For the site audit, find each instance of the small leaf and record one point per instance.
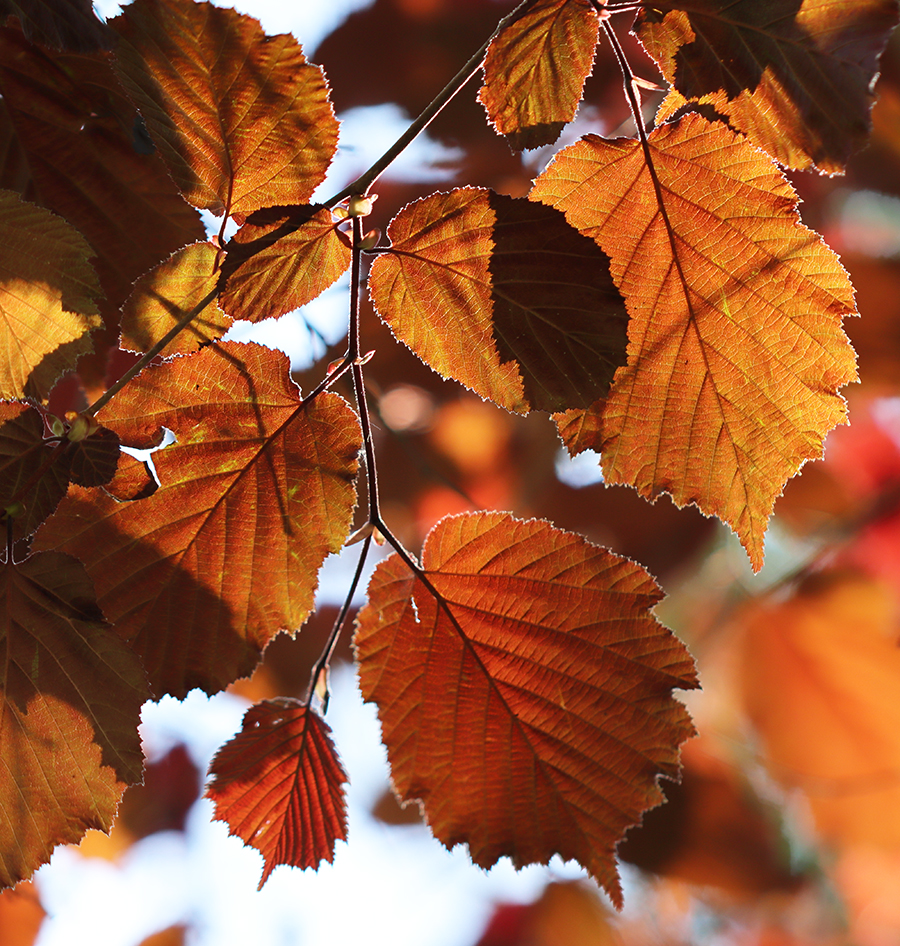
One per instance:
(736, 351)
(795, 77)
(69, 711)
(279, 785)
(162, 297)
(256, 491)
(514, 303)
(48, 292)
(530, 707)
(242, 119)
(32, 472)
(94, 459)
(280, 259)
(535, 69)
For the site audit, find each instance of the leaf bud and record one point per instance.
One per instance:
(57, 427)
(360, 206)
(370, 240)
(14, 510)
(82, 426)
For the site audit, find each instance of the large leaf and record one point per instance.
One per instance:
(794, 75)
(282, 258)
(530, 706)
(242, 119)
(48, 292)
(535, 69)
(509, 300)
(162, 297)
(69, 711)
(279, 785)
(256, 491)
(736, 351)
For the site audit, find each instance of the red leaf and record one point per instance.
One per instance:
(279, 785)
(530, 707)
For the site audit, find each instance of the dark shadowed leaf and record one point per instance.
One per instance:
(242, 119)
(535, 70)
(95, 459)
(279, 785)
(516, 305)
(32, 472)
(531, 707)
(48, 293)
(282, 258)
(256, 491)
(796, 76)
(69, 711)
(63, 24)
(736, 351)
(162, 297)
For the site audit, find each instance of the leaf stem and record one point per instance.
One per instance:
(362, 184)
(145, 359)
(321, 665)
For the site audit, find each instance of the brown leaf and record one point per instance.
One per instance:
(48, 293)
(71, 701)
(256, 491)
(820, 677)
(32, 472)
(279, 785)
(282, 258)
(736, 351)
(514, 303)
(796, 76)
(63, 24)
(242, 119)
(530, 708)
(133, 480)
(535, 69)
(95, 459)
(162, 297)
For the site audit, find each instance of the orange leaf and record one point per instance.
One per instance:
(162, 297)
(512, 302)
(242, 119)
(256, 491)
(279, 785)
(535, 69)
(47, 298)
(530, 708)
(69, 712)
(282, 258)
(820, 676)
(795, 77)
(736, 351)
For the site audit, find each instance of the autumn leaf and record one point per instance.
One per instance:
(535, 69)
(279, 785)
(162, 297)
(256, 491)
(62, 24)
(69, 711)
(48, 293)
(507, 299)
(280, 259)
(820, 675)
(796, 76)
(242, 119)
(736, 351)
(94, 459)
(529, 705)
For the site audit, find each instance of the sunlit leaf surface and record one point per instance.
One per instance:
(529, 705)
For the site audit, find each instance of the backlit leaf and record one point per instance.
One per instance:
(69, 712)
(256, 491)
(736, 351)
(512, 302)
(242, 119)
(535, 69)
(796, 76)
(32, 472)
(162, 297)
(48, 292)
(536, 719)
(282, 258)
(820, 677)
(279, 785)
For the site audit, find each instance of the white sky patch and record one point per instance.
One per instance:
(580, 470)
